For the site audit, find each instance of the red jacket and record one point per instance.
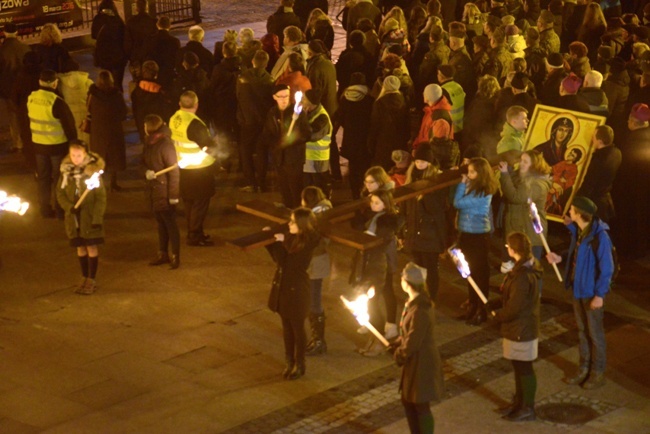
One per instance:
(440, 110)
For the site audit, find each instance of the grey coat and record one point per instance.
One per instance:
(319, 268)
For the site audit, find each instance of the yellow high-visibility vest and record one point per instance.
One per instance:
(46, 129)
(179, 123)
(457, 95)
(320, 149)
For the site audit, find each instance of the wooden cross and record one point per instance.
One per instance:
(328, 221)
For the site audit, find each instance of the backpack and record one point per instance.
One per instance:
(595, 244)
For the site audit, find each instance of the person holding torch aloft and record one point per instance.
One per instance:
(192, 136)
(81, 193)
(472, 200)
(286, 132)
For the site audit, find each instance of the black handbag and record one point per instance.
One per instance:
(274, 296)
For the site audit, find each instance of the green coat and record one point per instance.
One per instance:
(68, 190)
(516, 191)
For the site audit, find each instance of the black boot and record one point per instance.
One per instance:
(470, 313)
(288, 369)
(298, 370)
(314, 332)
(162, 258)
(318, 345)
(479, 318)
(175, 262)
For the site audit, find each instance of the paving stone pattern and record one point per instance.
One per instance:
(371, 402)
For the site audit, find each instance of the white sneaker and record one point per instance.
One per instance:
(506, 267)
(362, 330)
(390, 330)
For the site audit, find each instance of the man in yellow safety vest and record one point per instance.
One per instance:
(52, 126)
(317, 165)
(192, 139)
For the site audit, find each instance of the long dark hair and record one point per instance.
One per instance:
(306, 222)
(386, 196)
(485, 183)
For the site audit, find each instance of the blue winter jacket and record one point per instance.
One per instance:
(473, 211)
(593, 273)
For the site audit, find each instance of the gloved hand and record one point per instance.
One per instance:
(75, 211)
(96, 226)
(394, 345)
(173, 201)
(150, 175)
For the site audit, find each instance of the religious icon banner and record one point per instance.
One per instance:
(564, 137)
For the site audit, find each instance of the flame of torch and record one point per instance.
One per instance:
(539, 230)
(359, 308)
(13, 203)
(186, 160)
(91, 184)
(297, 109)
(463, 268)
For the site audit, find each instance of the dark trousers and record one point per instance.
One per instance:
(335, 161)
(168, 231)
(261, 160)
(118, 75)
(525, 383)
(591, 333)
(48, 169)
(248, 138)
(475, 247)
(429, 260)
(290, 180)
(356, 172)
(419, 417)
(196, 210)
(295, 338)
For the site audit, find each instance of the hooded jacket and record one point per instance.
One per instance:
(511, 139)
(596, 99)
(440, 110)
(519, 316)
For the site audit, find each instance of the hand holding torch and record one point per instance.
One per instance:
(463, 268)
(297, 109)
(91, 184)
(539, 230)
(359, 309)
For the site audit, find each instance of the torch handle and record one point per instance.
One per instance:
(477, 289)
(81, 198)
(166, 169)
(378, 335)
(293, 122)
(548, 250)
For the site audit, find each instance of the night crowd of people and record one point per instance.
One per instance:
(419, 88)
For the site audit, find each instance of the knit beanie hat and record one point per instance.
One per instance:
(441, 128)
(313, 96)
(585, 204)
(414, 274)
(640, 112)
(571, 83)
(447, 70)
(432, 93)
(555, 60)
(391, 83)
(519, 81)
(280, 87)
(424, 153)
(401, 158)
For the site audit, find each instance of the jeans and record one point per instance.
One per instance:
(168, 231)
(48, 169)
(316, 296)
(591, 332)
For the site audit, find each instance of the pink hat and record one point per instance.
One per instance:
(571, 84)
(641, 112)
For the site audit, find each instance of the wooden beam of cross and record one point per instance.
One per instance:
(329, 221)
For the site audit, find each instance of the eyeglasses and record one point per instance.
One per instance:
(507, 246)
(369, 181)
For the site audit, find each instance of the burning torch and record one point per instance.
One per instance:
(297, 109)
(359, 309)
(12, 203)
(463, 268)
(537, 225)
(91, 184)
(186, 160)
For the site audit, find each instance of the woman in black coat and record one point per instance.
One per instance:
(371, 267)
(107, 108)
(416, 352)
(425, 231)
(290, 289)
(162, 191)
(108, 30)
(519, 320)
